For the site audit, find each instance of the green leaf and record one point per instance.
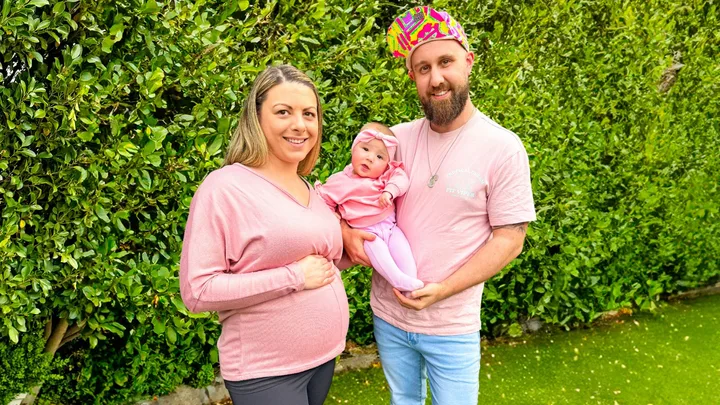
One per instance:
(59, 7)
(6, 8)
(151, 7)
(179, 305)
(149, 148)
(83, 173)
(85, 136)
(171, 334)
(154, 160)
(13, 333)
(223, 125)
(101, 213)
(76, 51)
(215, 146)
(38, 3)
(116, 29)
(310, 40)
(120, 377)
(115, 328)
(145, 180)
(158, 326)
(21, 323)
(107, 44)
(230, 94)
(89, 293)
(86, 76)
(360, 68)
(320, 10)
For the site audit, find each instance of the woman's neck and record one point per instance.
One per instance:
(279, 171)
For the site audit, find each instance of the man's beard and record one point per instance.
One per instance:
(444, 112)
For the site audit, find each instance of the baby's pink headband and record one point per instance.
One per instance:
(391, 143)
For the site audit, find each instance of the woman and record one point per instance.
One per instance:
(259, 248)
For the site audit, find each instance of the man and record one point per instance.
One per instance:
(465, 216)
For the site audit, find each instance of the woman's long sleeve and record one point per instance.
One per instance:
(205, 278)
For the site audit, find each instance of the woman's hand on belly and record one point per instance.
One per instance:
(318, 271)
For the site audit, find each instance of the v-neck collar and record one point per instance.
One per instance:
(292, 197)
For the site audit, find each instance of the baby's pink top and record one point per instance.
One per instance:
(357, 197)
(242, 240)
(484, 181)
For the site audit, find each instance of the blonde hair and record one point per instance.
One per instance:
(248, 144)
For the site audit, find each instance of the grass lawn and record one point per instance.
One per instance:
(669, 357)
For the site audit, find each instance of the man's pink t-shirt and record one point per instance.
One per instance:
(484, 181)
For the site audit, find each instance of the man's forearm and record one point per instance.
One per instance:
(497, 253)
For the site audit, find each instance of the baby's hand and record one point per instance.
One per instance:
(385, 199)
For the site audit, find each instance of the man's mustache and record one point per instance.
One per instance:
(438, 89)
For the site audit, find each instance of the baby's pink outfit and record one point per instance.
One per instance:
(357, 201)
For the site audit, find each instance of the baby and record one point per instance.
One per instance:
(363, 194)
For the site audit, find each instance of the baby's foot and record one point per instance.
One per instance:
(410, 284)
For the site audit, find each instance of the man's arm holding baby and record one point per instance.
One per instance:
(354, 246)
(504, 246)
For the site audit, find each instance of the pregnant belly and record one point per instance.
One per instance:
(287, 332)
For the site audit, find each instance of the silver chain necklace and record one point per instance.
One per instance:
(434, 176)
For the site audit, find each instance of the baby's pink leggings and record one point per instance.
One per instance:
(391, 256)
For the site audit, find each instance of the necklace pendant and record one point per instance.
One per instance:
(433, 179)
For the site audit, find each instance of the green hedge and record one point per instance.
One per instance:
(114, 111)
(23, 364)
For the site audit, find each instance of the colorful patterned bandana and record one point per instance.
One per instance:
(420, 25)
(391, 143)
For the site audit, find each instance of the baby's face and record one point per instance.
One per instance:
(370, 159)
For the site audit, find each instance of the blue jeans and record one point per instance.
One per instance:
(452, 364)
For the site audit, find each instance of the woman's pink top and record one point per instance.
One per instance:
(242, 240)
(357, 197)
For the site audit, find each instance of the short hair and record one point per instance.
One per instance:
(248, 144)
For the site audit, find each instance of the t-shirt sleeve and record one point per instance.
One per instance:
(510, 200)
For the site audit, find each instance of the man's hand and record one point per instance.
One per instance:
(424, 297)
(354, 244)
(385, 199)
(505, 245)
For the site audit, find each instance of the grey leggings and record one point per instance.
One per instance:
(305, 388)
